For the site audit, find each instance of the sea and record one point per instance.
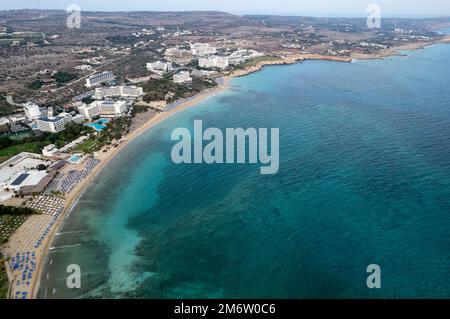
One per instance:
(364, 179)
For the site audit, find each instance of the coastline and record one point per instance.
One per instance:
(73, 197)
(395, 51)
(105, 158)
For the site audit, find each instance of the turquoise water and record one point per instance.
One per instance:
(364, 179)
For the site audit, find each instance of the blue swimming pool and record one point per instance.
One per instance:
(95, 126)
(98, 125)
(74, 159)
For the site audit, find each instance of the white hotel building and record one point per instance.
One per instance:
(203, 49)
(32, 111)
(182, 77)
(213, 62)
(99, 78)
(159, 67)
(103, 108)
(127, 92)
(243, 55)
(58, 123)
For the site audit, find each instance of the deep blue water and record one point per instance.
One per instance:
(364, 179)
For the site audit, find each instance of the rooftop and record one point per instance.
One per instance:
(20, 164)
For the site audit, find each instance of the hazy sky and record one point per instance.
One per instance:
(399, 8)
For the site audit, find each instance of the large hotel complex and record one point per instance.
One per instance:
(122, 91)
(103, 108)
(100, 78)
(56, 124)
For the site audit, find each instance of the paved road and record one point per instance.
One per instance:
(10, 101)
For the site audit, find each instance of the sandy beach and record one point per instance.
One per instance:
(23, 233)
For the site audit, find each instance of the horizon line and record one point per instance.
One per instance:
(280, 14)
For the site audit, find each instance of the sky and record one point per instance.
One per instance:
(332, 8)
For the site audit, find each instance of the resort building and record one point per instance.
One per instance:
(19, 173)
(179, 56)
(26, 179)
(159, 67)
(32, 111)
(182, 77)
(202, 49)
(113, 109)
(213, 62)
(53, 124)
(56, 124)
(241, 56)
(127, 92)
(78, 119)
(49, 150)
(200, 73)
(91, 110)
(103, 108)
(100, 78)
(57, 166)
(83, 96)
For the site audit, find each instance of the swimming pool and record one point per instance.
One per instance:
(74, 159)
(95, 126)
(98, 125)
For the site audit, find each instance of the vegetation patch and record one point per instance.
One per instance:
(4, 283)
(88, 146)
(165, 89)
(36, 85)
(34, 144)
(11, 151)
(64, 77)
(5, 108)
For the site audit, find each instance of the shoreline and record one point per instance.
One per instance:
(395, 50)
(73, 197)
